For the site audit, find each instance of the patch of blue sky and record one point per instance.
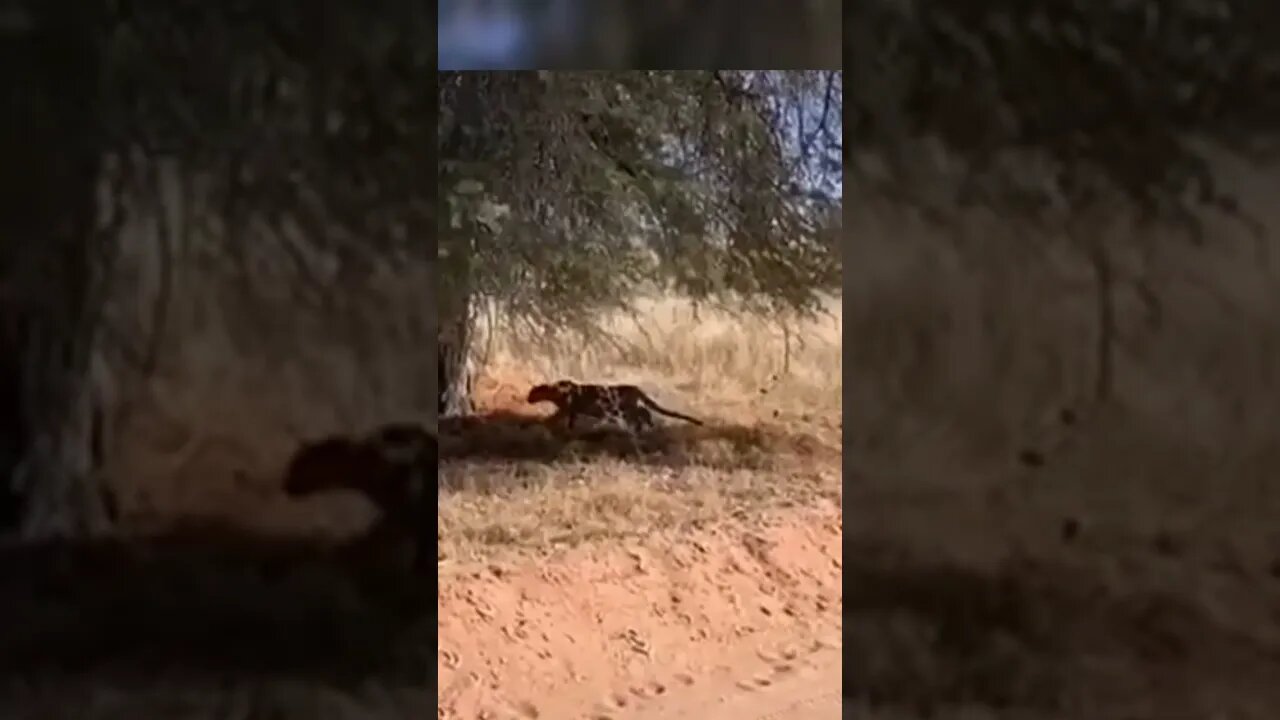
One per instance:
(496, 38)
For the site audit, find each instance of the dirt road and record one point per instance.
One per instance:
(803, 689)
(742, 622)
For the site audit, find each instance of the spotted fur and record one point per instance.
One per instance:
(625, 405)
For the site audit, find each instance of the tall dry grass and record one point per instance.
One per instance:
(719, 358)
(768, 393)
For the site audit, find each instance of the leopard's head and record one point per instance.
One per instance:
(554, 392)
(541, 393)
(333, 462)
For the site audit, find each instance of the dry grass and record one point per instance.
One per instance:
(770, 401)
(666, 533)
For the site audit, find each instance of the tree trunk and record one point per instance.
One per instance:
(50, 269)
(457, 228)
(455, 308)
(454, 367)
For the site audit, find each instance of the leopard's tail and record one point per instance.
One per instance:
(648, 401)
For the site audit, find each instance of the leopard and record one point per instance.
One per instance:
(389, 466)
(626, 405)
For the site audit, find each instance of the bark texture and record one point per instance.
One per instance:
(50, 264)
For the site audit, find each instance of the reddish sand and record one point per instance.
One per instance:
(741, 621)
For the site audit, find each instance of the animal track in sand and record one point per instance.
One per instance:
(781, 682)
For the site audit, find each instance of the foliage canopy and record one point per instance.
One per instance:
(304, 125)
(566, 192)
(1116, 97)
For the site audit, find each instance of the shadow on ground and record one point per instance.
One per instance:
(212, 602)
(504, 435)
(1032, 638)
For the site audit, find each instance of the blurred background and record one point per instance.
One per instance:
(616, 34)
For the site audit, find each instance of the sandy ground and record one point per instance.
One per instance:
(805, 688)
(737, 621)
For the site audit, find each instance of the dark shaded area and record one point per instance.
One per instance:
(213, 602)
(49, 227)
(1029, 636)
(505, 435)
(243, 104)
(13, 435)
